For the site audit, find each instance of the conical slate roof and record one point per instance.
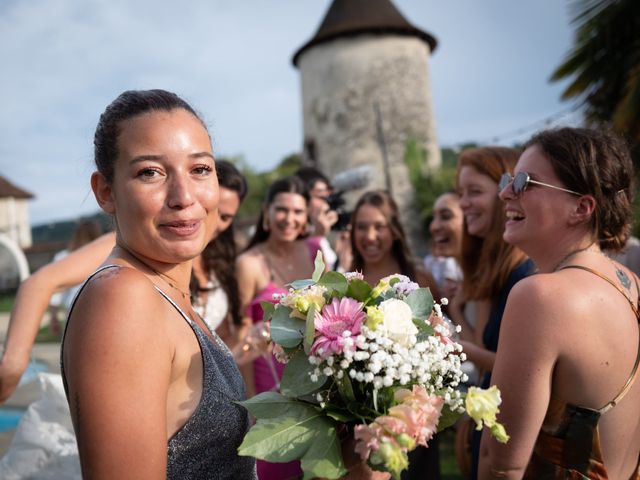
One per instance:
(346, 18)
(8, 189)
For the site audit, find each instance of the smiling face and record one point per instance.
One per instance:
(372, 234)
(538, 211)
(287, 216)
(227, 209)
(446, 226)
(478, 197)
(164, 194)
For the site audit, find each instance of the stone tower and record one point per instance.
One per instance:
(365, 92)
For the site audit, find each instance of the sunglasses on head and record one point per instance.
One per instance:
(521, 181)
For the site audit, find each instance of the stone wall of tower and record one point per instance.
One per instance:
(353, 86)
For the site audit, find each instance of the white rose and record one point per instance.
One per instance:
(397, 321)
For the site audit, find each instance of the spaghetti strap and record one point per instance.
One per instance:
(634, 307)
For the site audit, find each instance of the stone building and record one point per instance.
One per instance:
(365, 92)
(15, 234)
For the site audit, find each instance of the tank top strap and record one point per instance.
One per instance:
(634, 307)
(175, 305)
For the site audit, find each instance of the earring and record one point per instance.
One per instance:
(265, 224)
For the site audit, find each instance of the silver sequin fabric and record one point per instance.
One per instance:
(207, 444)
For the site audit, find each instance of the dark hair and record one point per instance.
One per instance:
(383, 201)
(128, 105)
(487, 261)
(310, 176)
(597, 163)
(219, 255)
(291, 184)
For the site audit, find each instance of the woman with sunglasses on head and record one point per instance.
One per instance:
(569, 347)
(491, 267)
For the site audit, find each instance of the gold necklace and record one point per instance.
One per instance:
(169, 281)
(165, 278)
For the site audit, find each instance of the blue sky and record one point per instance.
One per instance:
(63, 61)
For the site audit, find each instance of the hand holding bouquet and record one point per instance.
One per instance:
(379, 362)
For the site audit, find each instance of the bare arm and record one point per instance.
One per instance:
(33, 299)
(523, 372)
(247, 283)
(118, 361)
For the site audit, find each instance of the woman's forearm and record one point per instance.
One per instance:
(29, 308)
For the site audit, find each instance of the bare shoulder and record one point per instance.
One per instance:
(117, 303)
(542, 304)
(250, 258)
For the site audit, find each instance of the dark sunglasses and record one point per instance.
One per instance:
(521, 181)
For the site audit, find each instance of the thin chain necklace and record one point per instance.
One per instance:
(572, 253)
(165, 278)
(169, 281)
(622, 276)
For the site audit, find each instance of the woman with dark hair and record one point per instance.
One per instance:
(380, 248)
(379, 244)
(214, 286)
(569, 345)
(216, 299)
(152, 391)
(491, 267)
(275, 256)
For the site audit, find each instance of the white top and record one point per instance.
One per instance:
(215, 307)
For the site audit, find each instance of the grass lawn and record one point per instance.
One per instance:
(448, 466)
(6, 302)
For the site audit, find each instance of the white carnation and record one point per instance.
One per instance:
(397, 321)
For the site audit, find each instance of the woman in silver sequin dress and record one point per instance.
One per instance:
(151, 390)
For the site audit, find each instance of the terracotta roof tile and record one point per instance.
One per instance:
(8, 189)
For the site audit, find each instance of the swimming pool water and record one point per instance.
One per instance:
(9, 417)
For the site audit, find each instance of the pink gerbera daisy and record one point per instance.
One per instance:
(337, 317)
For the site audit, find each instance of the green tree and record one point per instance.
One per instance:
(604, 63)
(258, 182)
(427, 183)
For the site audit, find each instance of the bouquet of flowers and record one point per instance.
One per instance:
(378, 363)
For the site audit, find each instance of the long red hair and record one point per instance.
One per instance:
(486, 262)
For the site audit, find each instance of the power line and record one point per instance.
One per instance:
(526, 129)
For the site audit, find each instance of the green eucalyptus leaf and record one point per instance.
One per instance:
(310, 332)
(424, 330)
(286, 330)
(421, 302)
(296, 380)
(359, 289)
(318, 267)
(271, 405)
(267, 310)
(324, 457)
(284, 438)
(298, 284)
(447, 418)
(334, 281)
